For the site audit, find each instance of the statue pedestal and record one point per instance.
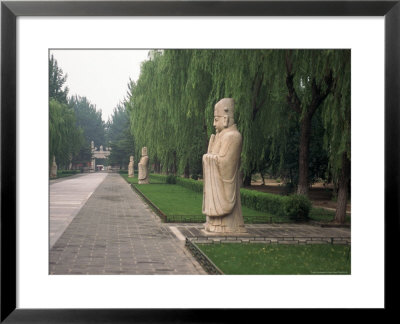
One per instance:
(225, 234)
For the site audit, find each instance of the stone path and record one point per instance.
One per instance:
(116, 233)
(67, 197)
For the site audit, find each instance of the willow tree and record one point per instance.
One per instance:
(167, 111)
(309, 81)
(246, 76)
(337, 122)
(191, 88)
(65, 138)
(148, 125)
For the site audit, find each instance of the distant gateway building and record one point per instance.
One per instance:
(98, 154)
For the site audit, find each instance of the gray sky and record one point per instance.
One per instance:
(101, 76)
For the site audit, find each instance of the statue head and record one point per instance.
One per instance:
(131, 158)
(144, 151)
(223, 114)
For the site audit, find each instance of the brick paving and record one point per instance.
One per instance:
(116, 233)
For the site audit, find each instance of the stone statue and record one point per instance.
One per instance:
(143, 167)
(130, 167)
(53, 171)
(221, 193)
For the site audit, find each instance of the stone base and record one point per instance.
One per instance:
(143, 182)
(131, 176)
(216, 234)
(223, 229)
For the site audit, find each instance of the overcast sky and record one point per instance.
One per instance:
(102, 76)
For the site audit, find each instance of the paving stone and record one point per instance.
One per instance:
(115, 233)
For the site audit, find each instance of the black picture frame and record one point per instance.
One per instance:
(10, 10)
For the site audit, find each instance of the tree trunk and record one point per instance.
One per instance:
(186, 172)
(157, 168)
(263, 179)
(302, 188)
(241, 178)
(343, 185)
(174, 166)
(247, 181)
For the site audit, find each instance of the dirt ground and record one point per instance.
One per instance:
(320, 194)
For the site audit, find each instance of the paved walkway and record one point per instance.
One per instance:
(116, 233)
(67, 197)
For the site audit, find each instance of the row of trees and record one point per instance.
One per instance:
(292, 108)
(73, 122)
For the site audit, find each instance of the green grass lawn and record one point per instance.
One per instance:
(181, 204)
(246, 258)
(176, 202)
(153, 178)
(324, 215)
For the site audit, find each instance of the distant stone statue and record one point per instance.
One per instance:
(143, 167)
(53, 171)
(130, 167)
(101, 147)
(221, 193)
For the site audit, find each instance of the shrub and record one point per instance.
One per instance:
(171, 179)
(264, 202)
(158, 178)
(190, 184)
(195, 176)
(298, 207)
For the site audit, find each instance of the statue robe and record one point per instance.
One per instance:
(221, 193)
(130, 169)
(143, 170)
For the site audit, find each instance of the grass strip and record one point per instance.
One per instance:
(246, 258)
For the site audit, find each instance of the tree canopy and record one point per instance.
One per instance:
(292, 109)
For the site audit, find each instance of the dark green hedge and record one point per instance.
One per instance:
(261, 201)
(191, 184)
(295, 207)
